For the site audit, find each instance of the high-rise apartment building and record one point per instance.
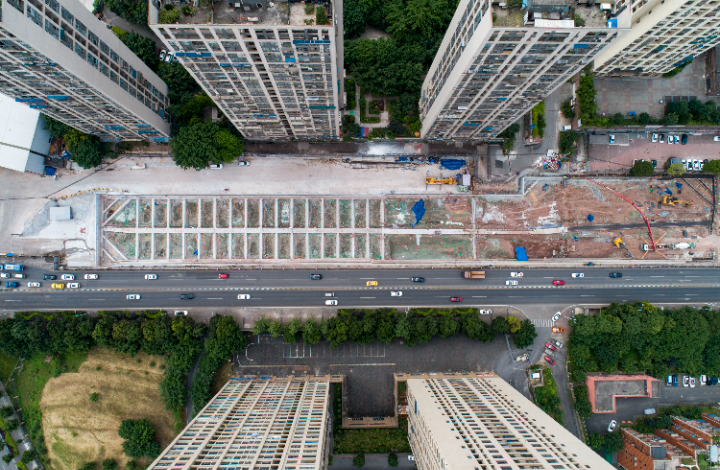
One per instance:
(499, 59)
(473, 422)
(256, 423)
(268, 66)
(665, 34)
(58, 58)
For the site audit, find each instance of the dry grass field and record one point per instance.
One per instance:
(78, 430)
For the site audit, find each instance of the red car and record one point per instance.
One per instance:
(550, 360)
(550, 347)
(222, 276)
(558, 283)
(455, 299)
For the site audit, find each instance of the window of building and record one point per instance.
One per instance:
(54, 5)
(93, 38)
(104, 48)
(67, 16)
(80, 28)
(52, 29)
(34, 15)
(79, 50)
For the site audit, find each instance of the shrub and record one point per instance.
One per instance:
(139, 435)
(168, 16)
(676, 169)
(713, 166)
(6, 412)
(578, 376)
(309, 8)
(567, 109)
(88, 466)
(94, 397)
(188, 10)
(359, 461)
(7, 458)
(320, 16)
(392, 459)
(28, 456)
(11, 425)
(642, 168)
(109, 464)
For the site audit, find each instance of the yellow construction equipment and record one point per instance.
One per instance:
(671, 201)
(621, 244)
(433, 180)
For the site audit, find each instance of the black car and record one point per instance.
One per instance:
(683, 139)
(49, 277)
(316, 277)
(654, 162)
(187, 296)
(417, 279)
(615, 274)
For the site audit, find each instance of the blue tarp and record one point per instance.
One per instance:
(667, 191)
(419, 210)
(49, 171)
(452, 163)
(590, 218)
(520, 254)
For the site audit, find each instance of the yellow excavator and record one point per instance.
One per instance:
(621, 244)
(433, 180)
(671, 201)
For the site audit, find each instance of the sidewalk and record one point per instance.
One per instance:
(372, 461)
(366, 150)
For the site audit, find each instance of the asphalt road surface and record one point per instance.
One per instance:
(294, 288)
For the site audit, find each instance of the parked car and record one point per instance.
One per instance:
(550, 346)
(396, 293)
(654, 137)
(703, 380)
(716, 138)
(244, 297)
(417, 279)
(713, 380)
(697, 165)
(558, 283)
(243, 163)
(612, 138)
(316, 277)
(549, 352)
(689, 165)
(151, 276)
(68, 277)
(692, 382)
(218, 166)
(516, 274)
(455, 299)
(677, 139)
(686, 381)
(556, 317)
(163, 54)
(649, 411)
(662, 138)
(133, 297)
(550, 360)
(675, 380)
(181, 312)
(511, 283)
(612, 426)
(169, 57)
(411, 457)
(577, 275)
(670, 140)
(20, 276)
(654, 162)
(669, 380)
(49, 277)
(615, 275)
(4, 275)
(556, 343)
(485, 312)
(557, 329)
(683, 139)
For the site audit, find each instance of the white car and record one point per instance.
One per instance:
(556, 317)
(133, 297)
(219, 166)
(516, 274)
(34, 284)
(689, 165)
(577, 275)
(716, 138)
(151, 276)
(612, 425)
(91, 276)
(396, 293)
(244, 297)
(68, 277)
(243, 163)
(4, 275)
(511, 283)
(654, 137)
(181, 312)
(411, 457)
(163, 54)
(670, 140)
(73, 285)
(703, 379)
(331, 302)
(485, 312)
(692, 382)
(697, 165)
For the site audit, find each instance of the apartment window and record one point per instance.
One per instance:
(67, 16)
(79, 50)
(93, 38)
(54, 5)
(52, 29)
(80, 28)
(115, 58)
(92, 60)
(104, 48)
(34, 15)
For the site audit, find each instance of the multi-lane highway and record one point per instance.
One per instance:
(294, 288)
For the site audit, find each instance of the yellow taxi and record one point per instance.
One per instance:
(372, 283)
(58, 285)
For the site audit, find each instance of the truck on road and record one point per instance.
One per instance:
(473, 274)
(14, 267)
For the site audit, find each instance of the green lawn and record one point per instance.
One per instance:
(372, 441)
(30, 384)
(7, 363)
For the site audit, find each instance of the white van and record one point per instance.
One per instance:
(567, 128)
(331, 302)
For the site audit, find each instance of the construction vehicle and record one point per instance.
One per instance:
(621, 244)
(448, 180)
(473, 274)
(671, 201)
(522, 357)
(681, 246)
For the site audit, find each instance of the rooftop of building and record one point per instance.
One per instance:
(659, 448)
(551, 14)
(249, 12)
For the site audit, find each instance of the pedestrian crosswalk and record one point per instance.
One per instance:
(542, 322)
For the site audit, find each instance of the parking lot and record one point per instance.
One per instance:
(370, 368)
(620, 155)
(630, 408)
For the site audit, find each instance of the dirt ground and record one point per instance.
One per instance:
(78, 430)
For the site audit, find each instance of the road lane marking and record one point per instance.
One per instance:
(13, 300)
(96, 299)
(214, 298)
(479, 296)
(371, 278)
(657, 276)
(587, 296)
(404, 278)
(367, 297)
(373, 364)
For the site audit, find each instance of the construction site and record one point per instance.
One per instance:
(551, 217)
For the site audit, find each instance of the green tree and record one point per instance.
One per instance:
(354, 18)
(500, 325)
(613, 442)
(642, 168)
(168, 16)
(201, 143)
(645, 119)
(448, 326)
(526, 334)
(385, 330)
(670, 119)
(392, 459)
(713, 166)
(359, 461)
(88, 466)
(566, 143)
(291, 330)
(595, 441)
(321, 16)
(476, 329)
(28, 456)
(143, 47)
(568, 110)
(513, 324)
(578, 376)
(54, 127)
(86, 152)
(262, 325)
(12, 425)
(7, 458)
(275, 328)
(676, 169)
(617, 119)
(139, 436)
(6, 412)
(94, 397)
(311, 332)
(135, 11)
(109, 464)
(508, 136)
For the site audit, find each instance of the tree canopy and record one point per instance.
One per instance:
(642, 168)
(135, 11)
(139, 435)
(143, 47)
(713, 166)
(201, 143)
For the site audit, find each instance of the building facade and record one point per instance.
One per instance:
(649, 452)
(481, 421)
(56, 57)
(499, 59)
(256, 423)
(665, 34)
(269, 68)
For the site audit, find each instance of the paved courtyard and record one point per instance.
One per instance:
(370, 368)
